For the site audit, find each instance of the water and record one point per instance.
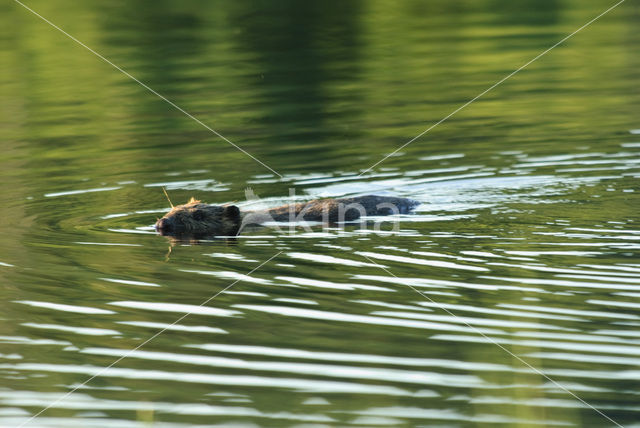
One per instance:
(510, 298)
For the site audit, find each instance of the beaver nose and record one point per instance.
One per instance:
(164, 225)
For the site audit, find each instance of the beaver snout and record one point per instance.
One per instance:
(165, 226)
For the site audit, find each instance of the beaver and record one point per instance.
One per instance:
(199, 220)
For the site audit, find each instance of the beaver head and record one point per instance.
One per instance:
(198, 220)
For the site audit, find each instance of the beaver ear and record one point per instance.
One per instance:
(231, 211)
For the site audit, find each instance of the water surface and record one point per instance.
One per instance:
(511, 297)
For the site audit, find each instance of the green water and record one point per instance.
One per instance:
(511, 297)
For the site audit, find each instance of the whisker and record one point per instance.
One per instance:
(167, 195)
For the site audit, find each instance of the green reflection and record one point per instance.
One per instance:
(329, 89)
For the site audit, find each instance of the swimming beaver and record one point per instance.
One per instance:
(199, 220)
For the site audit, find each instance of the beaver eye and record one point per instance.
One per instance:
(198, 215)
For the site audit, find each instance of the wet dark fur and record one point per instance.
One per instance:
(198, 220)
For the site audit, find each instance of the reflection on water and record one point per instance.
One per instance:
(510, 297)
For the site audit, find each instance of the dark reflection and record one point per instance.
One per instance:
(159, 39)
(528, 12)
(157, 43)
(301, 50)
